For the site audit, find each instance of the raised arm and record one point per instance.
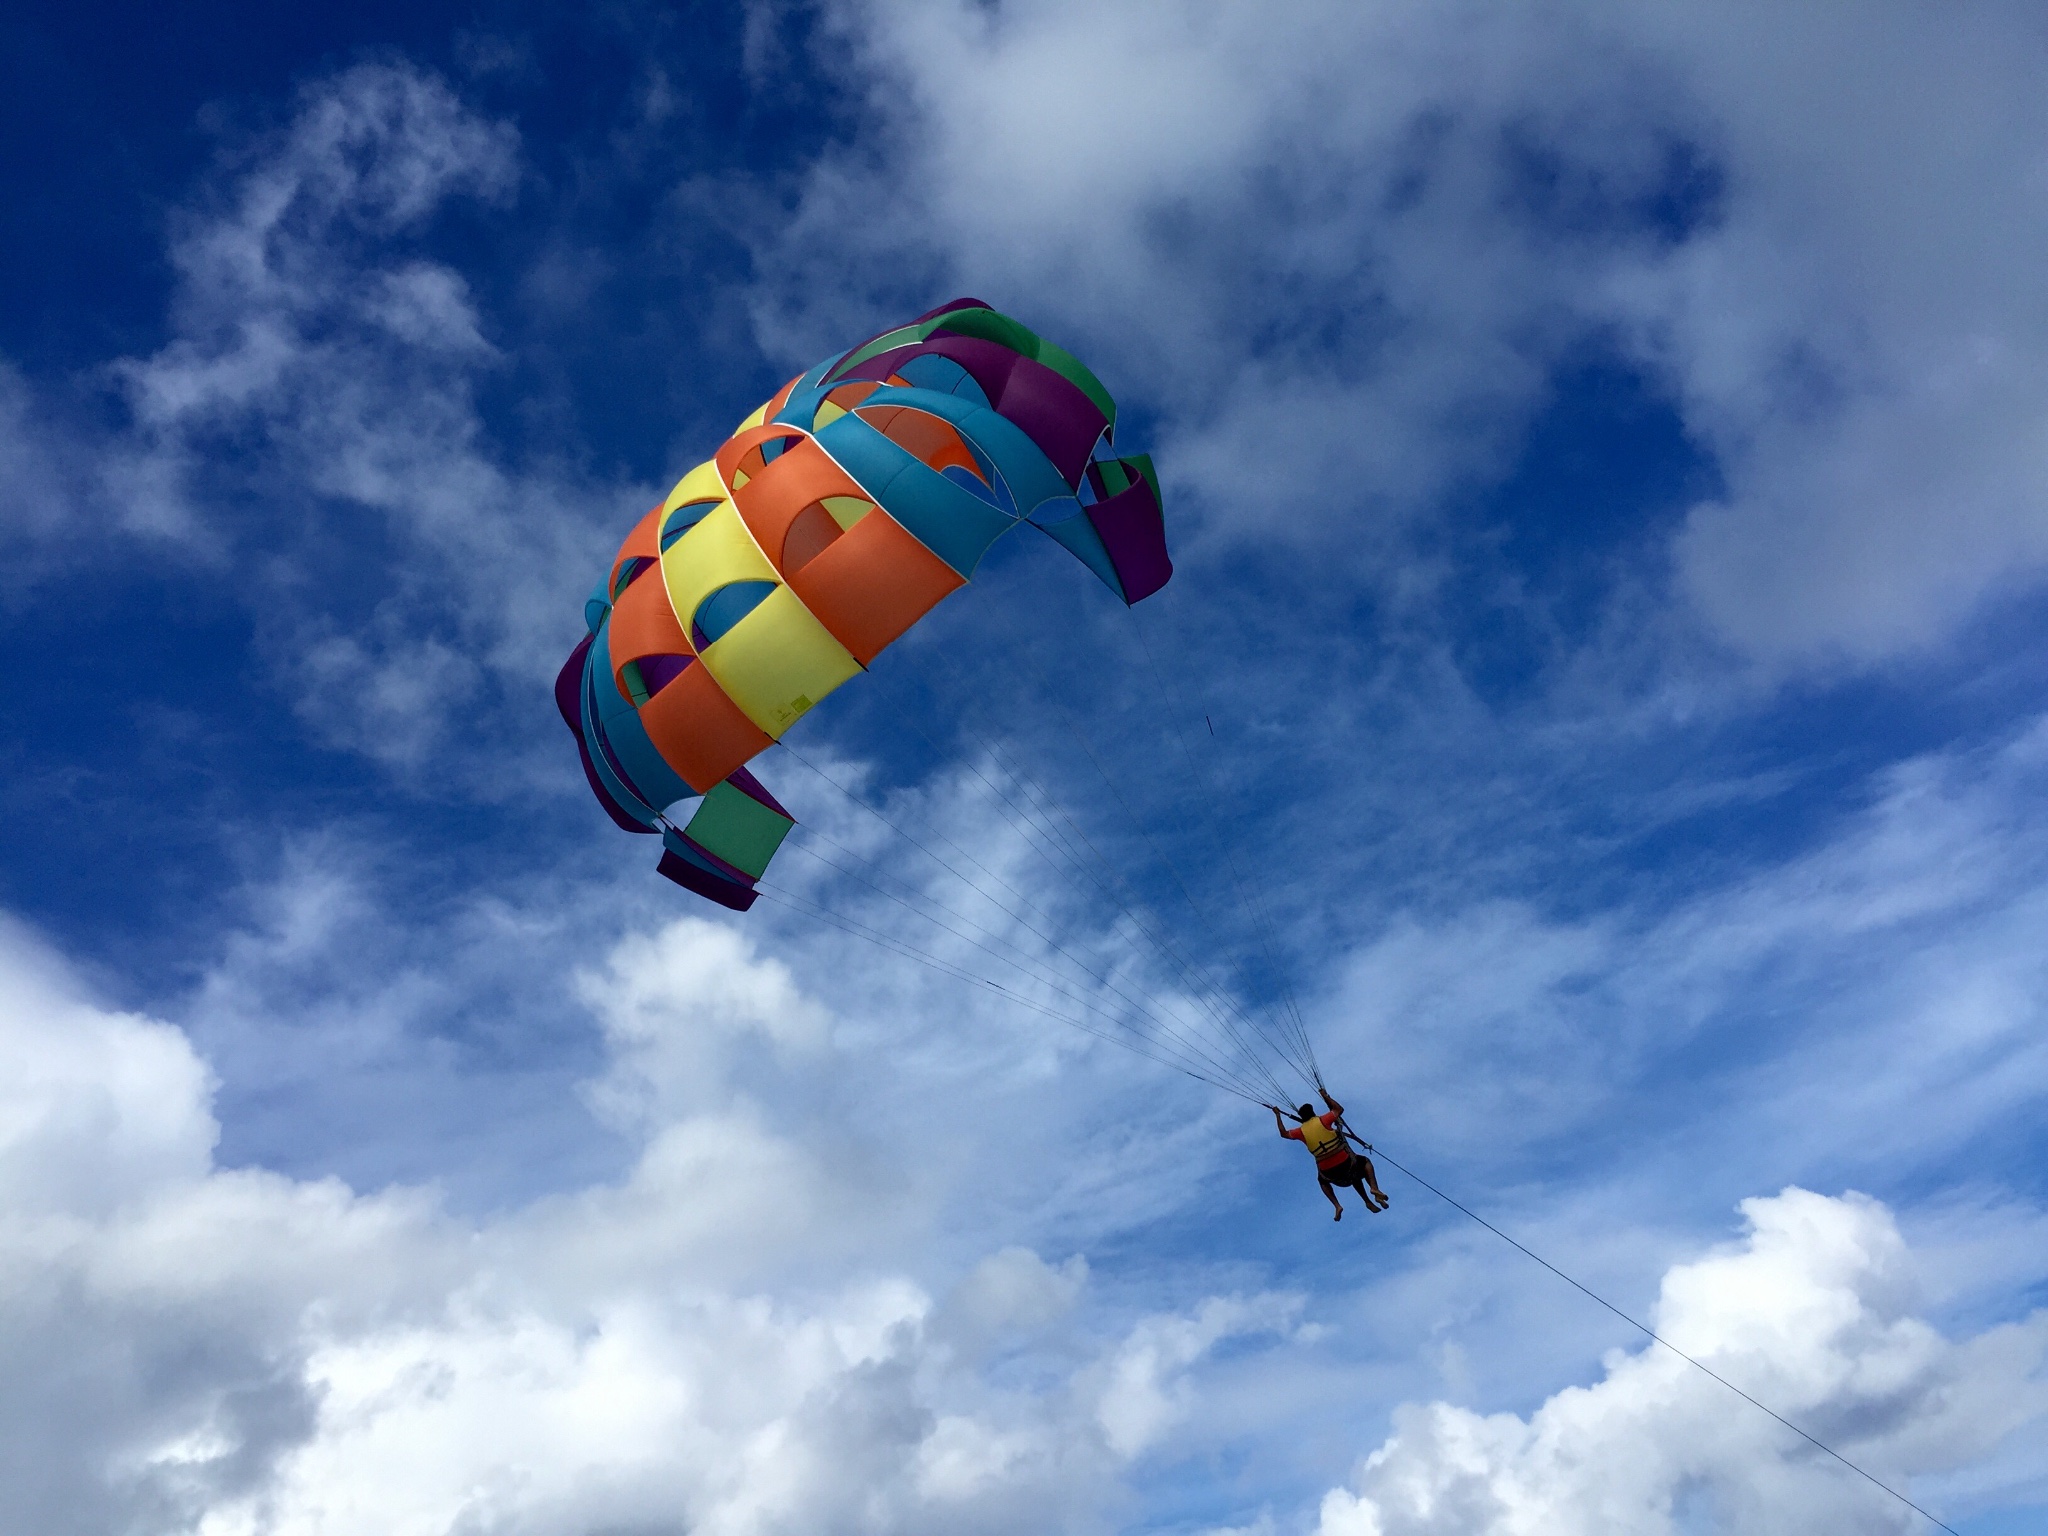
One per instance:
(1335, 1107)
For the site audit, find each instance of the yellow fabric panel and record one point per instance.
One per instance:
(700, 484)
(778, 661)
(755, 417)
(847, 510)
(827, 414)
(718, 550)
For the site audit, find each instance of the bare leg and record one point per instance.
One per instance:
(1330, 1195)
(1373, 1179)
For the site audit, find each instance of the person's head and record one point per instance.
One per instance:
(1307, 1112)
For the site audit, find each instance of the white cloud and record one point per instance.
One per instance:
(233, 1351)
(1142, 1395)
(1341, 249)
(1895, 961)
(38, 488)
(312, 426)
(670, 1002)
(1811, 1313)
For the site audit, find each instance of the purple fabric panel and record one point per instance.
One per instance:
(882, 364)
(1061, 420)
(947, 309)
(612, 807)
(990, 362)
(730, 871)
(657, 672)
(744, 781)
(568, 699)
(1053, 413)
(1134, 533)
(726, 893)
(569, 686)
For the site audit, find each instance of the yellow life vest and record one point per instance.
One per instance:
(1325, 1143)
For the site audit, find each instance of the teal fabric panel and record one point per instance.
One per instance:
(659, 784)
(1080, 537)
(1030, 474)
(949, 520)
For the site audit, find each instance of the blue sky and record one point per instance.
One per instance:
(1603, 452)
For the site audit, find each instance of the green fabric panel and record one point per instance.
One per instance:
(1071, 368)
(897, 338)
(1115, 477)
(738, 828)
(989, 326)
(636, 690)
(1142, 463)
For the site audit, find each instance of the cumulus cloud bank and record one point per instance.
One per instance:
(232, 1351)
(1811, 1313)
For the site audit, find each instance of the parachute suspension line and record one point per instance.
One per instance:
(1232, 1029)
(1253, 904)
(1301, 1060)
(1037, 835)
(1192, 1050)
(797, 903)
(1258, 1069)
(1135, 907)
(1254, 1068)
(1302, 1063)
(1658, 1338)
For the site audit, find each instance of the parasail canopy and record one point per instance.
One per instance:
(837, 515)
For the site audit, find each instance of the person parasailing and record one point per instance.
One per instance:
(1327, 1139)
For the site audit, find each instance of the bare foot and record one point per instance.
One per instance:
(1340, 1214)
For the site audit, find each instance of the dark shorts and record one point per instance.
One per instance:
(1351, 1175)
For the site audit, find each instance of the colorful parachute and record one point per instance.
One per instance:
(832, 520)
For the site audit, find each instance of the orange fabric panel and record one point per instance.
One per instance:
(921, 433)
(743, 446)
(847, 396)
(645, 539)
(872, 583)
(698, 730)
(778, 400)
(784, 487)
(810, 534)
(643, 623)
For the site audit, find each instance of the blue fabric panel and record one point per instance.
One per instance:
(597, 606)
(954, 524)
(625, 738)
(683, 519)
(813, 377)
(633, 570)
(602, 762)
(1030, 473)
(944, 376)
(1080, 537)
(800, 409)
(724, 608)
(991, 489)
